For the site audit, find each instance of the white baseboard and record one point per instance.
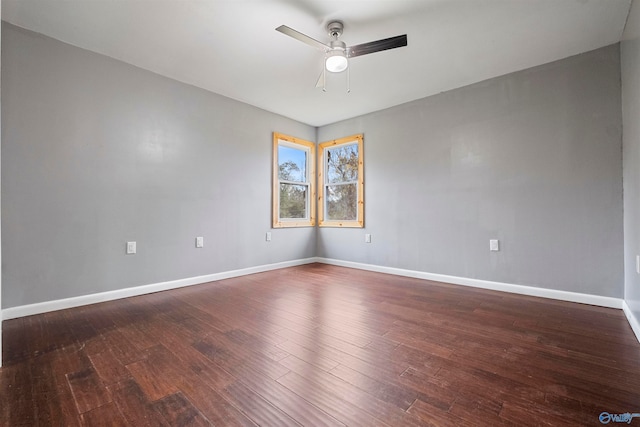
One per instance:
(44, 307)
(485, 284)
(633, 320)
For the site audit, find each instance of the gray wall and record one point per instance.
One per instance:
(0, 200)
(630, 53)
(97, 152)
(532, 159)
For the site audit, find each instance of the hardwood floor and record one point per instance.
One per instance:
(320, 345)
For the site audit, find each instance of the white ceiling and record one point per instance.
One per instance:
(231, 47)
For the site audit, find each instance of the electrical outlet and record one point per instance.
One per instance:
(268, 236)
(367, 238)
(131, 248)
(199, 242)
(494, 245)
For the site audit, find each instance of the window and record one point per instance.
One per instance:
(341, 203)
(293, 182)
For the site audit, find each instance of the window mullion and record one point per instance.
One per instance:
(283, 181)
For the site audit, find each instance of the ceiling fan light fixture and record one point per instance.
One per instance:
(336, 61)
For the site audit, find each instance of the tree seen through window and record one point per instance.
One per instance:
(342, 178)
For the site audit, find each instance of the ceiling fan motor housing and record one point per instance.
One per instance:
(337, 44)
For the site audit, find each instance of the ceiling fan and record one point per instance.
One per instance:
(337, 53)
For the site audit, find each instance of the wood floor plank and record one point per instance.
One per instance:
(365, 360)
(107, 415)
(258, 319)
(429, 390)
(67, 359)
(284, 399)
(327, 401)
(134, 405)
(267, 347)
(15, 344)
(399, 396)
(138, 335)
(185, 354)
(223, 351)
(256, 407)
(58, 330)
(109, 368)
(15, 387)
(200, 383)
(320, 345)
(435, 417)
(152, 379)
(81, 328)
(52, 402)
(214, 406)
(309, 355)
(88, 391)
(178, 411)
(409, 357)
(477, 408)
(534, 415)
(384, 411)
(433, 347)
(35, 330)
(122, 348)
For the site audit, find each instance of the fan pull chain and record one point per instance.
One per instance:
(324, 79)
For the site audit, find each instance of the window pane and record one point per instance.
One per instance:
(292, 164)
(342, 163)
(342, 202)
(293, 201)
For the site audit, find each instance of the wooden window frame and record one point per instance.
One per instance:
(310, 147)
(359, 222)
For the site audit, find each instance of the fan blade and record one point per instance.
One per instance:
(302, 37)
(377, 46)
